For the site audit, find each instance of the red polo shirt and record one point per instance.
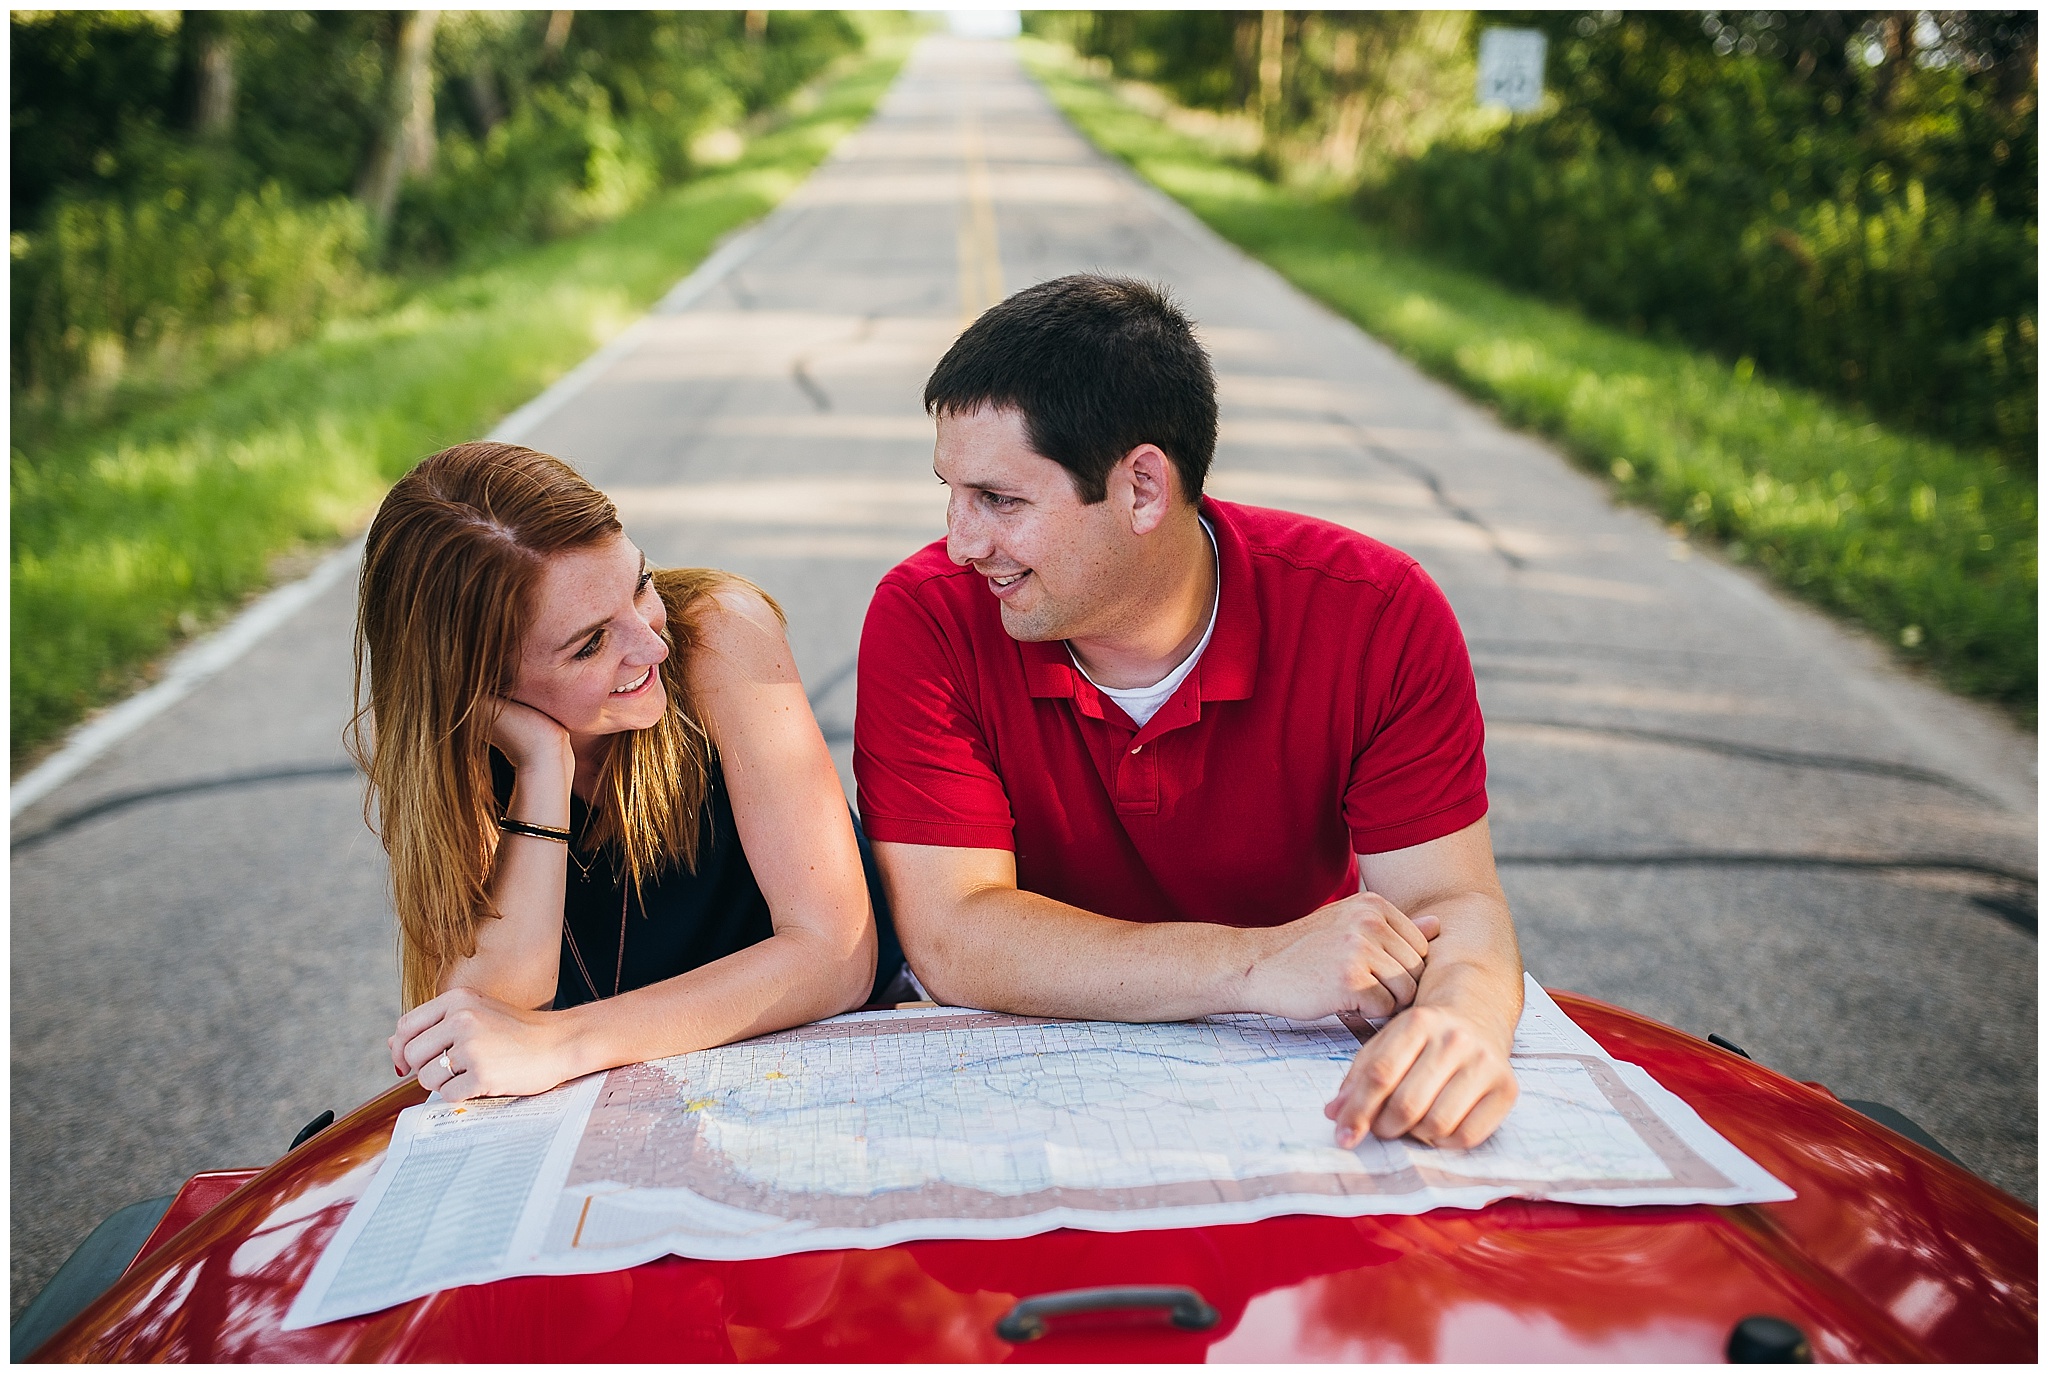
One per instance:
(1332, 712)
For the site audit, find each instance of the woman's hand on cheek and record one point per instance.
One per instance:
(526, 736)
(493, 1049)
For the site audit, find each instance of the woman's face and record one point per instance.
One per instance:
(592, 648)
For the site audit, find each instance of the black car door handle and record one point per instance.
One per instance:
(1184, 1307)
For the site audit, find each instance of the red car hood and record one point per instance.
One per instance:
(1888, 1253)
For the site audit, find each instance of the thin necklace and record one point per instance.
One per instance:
(618, 973)
(582, 867)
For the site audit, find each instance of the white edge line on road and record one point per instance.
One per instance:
(204, 658)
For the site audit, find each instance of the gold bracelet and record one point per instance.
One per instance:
(539, 832)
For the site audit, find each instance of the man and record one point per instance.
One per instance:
(1125, 753)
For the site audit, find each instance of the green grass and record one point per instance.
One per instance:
(1931, 546)
(133, 535)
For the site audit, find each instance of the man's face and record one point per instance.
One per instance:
(1056, 565)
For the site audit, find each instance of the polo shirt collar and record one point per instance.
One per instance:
(1229, 667)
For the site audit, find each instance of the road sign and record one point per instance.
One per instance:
(1511, 68)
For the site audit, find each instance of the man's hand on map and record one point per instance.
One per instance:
(1360, 954)
(493, 1048)
(1431, 1073)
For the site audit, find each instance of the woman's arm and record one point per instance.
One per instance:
(794, 826)
(519, 955)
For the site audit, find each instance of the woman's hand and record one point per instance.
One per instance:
(526, 736)
(492, 1049)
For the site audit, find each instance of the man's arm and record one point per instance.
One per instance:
(1439, 1070)
(975, 940)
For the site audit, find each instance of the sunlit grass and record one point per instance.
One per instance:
(133, 535)
(1932, 547)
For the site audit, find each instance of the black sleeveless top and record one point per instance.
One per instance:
(681, 919)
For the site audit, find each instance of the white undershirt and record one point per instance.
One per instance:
(1143, 703)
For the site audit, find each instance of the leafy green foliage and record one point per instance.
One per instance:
(562, 163)
(80, 88)
(309, 90)
(1202, 58)
(1848, 198)
(1864, 237)
(228, 276)
(598, 125)
(146, 244)
(131, 534)
(1932, 546)
(1351, 90)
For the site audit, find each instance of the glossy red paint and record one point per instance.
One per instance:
(201, 1193)
(1888, 1253)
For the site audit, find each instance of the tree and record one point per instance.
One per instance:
(405, 143)
(208, 43)
(85, 84)
(1272, 54)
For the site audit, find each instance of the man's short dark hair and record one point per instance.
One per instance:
(1097, 366)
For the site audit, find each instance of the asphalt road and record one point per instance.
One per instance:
(1711, 805)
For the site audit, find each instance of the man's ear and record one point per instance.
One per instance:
(1153, 486)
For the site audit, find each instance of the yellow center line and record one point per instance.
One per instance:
(981, 261)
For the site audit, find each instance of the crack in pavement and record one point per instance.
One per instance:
(1428, 478)
(1790, 758)
(2017, 910)
(798, 373)
(800, 367)
(117, 802)
(121, 801)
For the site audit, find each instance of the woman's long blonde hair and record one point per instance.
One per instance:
(450, 573)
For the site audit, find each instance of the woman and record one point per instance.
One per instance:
(615, 831)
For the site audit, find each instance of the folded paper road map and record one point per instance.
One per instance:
(880, 1127)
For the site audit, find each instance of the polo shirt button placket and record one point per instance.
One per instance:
(1137, 782)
